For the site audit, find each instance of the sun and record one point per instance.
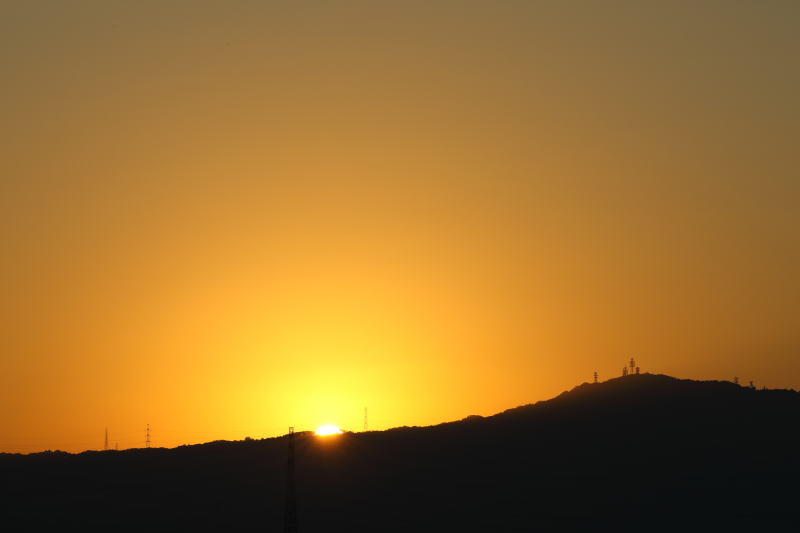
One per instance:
(328, 429)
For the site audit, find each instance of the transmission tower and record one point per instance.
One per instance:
(105, 444)
(595, 377)
(290, 513)
(147, 439)
(366, 422)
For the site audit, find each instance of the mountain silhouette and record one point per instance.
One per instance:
(642, 452)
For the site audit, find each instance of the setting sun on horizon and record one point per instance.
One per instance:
(328, 429)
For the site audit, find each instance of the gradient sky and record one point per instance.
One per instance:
(225, 218)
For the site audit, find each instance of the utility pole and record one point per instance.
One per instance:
(147, 439)
(290, 513)
(105, 444)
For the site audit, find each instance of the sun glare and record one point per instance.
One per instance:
(328, 429)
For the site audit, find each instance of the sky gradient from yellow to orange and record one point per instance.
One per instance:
(226, 218)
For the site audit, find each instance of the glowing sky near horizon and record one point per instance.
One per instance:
(227, 218)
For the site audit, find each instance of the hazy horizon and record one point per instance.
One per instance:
(225, 217)
(253, 433)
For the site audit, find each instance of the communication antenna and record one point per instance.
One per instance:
(105, 444)
(116, 445)
(366, 423)
(595, 377)
(147, 439)
(290, 512)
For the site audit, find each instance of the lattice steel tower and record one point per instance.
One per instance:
(290, 513)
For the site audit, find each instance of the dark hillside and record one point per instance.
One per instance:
(641, 452)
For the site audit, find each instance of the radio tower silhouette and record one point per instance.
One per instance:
(290, 513)
(366, 424)
(147, 439)
(105, 444)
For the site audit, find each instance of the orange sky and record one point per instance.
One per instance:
(225, 218)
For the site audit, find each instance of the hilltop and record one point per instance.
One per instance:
(643, 451)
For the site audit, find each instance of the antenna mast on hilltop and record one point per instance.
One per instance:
(366, 424)
(105, 444)
(147, 439)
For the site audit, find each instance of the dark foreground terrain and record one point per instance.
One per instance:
(640, 453)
